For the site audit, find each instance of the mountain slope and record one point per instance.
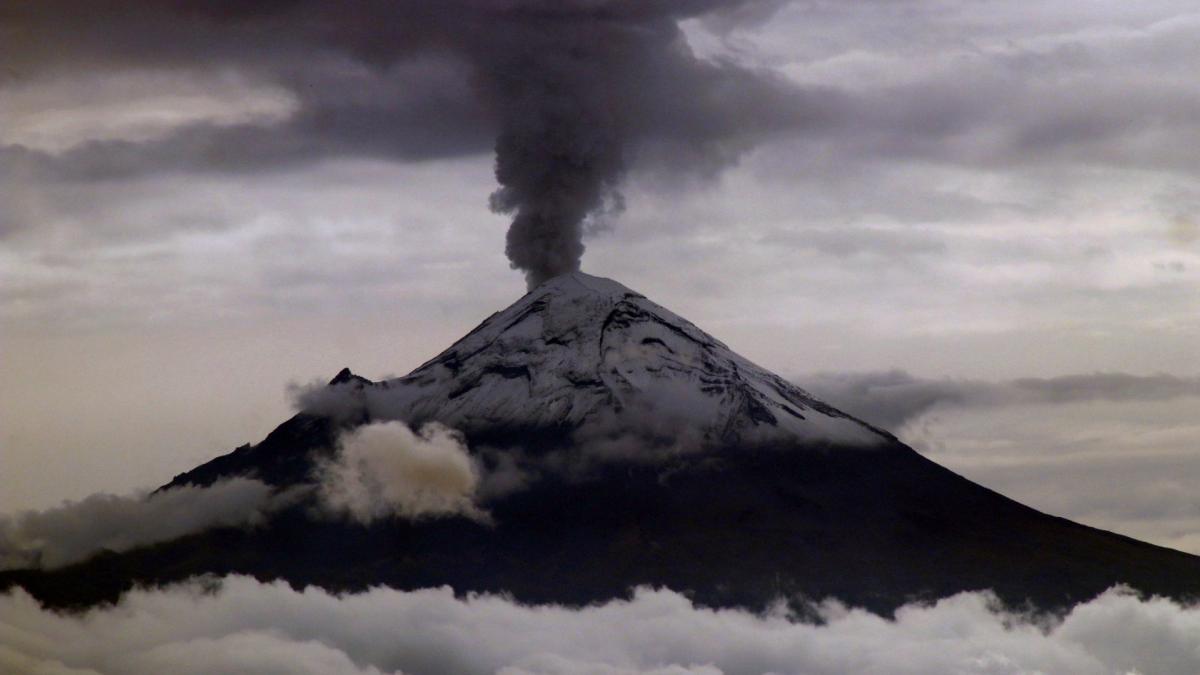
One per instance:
(580, 349)
(648, 453)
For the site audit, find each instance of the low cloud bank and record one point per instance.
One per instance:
(893, 398)
(386, 469)
(248, 626)
(380, 470)
(75, 531)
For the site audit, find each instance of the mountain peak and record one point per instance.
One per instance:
(588, 355)
(581, 283)
(346, 375)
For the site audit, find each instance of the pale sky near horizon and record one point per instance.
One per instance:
(999, 192)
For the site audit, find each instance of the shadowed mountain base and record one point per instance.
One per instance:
(874, 528)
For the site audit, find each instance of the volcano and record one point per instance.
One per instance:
(635, 449)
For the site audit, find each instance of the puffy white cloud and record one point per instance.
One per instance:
(74, 531)
(386, 469)
(248, 626)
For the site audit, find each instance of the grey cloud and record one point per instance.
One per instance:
(1184, 228)
(75, 531)
(410, 111)
(1077, 86)
(46, 291)
(1181, 208)
(568, 90)
(894, 398)
(1106, 387)
(572, 94)
(998, 122)
(845, 242)
(248, 626)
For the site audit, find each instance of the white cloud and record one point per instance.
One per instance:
(58, 114)
(249, 626)
(385, 469)
(75, 531)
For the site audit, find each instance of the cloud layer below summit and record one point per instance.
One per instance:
(241, 625)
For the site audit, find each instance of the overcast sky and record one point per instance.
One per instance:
(192, 216)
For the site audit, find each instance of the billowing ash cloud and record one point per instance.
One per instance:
(569, 93)
(75, 531)
(893, 398)
(248, 626)
(385, 469)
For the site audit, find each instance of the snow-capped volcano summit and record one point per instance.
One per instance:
(588, 354)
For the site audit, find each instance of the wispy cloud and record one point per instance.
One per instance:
(75, 531)
(894, 398)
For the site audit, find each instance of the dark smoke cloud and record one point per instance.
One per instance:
(894, 398)
(569, 93)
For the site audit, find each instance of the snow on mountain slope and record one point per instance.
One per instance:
(589, 355)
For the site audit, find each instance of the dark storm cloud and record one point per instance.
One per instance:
(565, 92)
(893, 398)
(571, 95)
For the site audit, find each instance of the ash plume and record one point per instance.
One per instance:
(569, 94)
(574, 89)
